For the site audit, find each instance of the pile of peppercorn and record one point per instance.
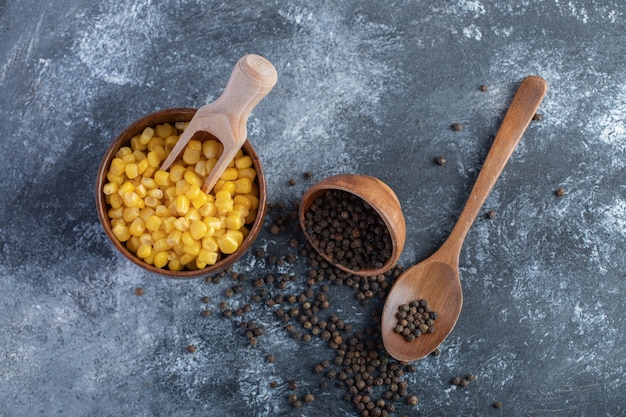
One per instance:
(348, 230)
(415, 319)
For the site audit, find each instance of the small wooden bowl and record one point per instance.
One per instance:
(172, 116)
(379, 196)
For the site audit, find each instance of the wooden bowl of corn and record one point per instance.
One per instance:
(161, 220)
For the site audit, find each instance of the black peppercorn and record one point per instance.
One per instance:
(456, 127)
(440, 160)
(490, 214)
(498, 404)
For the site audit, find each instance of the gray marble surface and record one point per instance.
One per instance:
(364, 87)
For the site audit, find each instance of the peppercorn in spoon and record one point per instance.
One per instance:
(436, 279)
(252, 79)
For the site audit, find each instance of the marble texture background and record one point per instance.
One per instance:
(364, 87)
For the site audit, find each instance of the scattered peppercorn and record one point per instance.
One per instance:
(412, 400)
(205, 300)
(560, 192)
(440, 160)
(490, 214)
(498, 404)
(471, 377)
(273, 384)
(436, 352)
(537, 117)
(270, 359)
(483, 87)
(309, 398)
(191, 348)
(292, 181)
(456, 127)
(138, 291)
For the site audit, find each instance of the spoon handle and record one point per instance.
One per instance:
(517, 118)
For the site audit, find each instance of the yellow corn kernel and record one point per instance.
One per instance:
(165, 130)
(243, 186)
(161, 259)
(145, 213)
(169, 224)
(131, 199)
(181, 187)
(210, 164)
(193, 249)
(229, 187)
(177, 250)
(207, 257)
(230, 174)
(149, 172)
(191, 156)
(170, 193)
(214, 223)
(217, 233)
(176, 173)
(244, 233)
(121, 232)
(156, 142)
(174, 238)
(110, 188)
(115, 213)
(146, 239)
(254, 201)
(139, 155)
(127, 186)
(142, 166)
(155, 193)
(227, 243)
(143, 251)
(186, 258)
(200, 168)
(175, 265)
(118, 167)
(123, 151)
(137, 227)
(182, 204)
(241, 209)
(170, 141)
(133, 244)
(162, 178)
(192, 178)
(200, 200)
(181, 224)
(198, 229)
(161, 211)
(131, 170)
(243, 162)
(192, 214)
(249, 173)
(130, 213)
(135, 142)
(159, 234)
(211, 149)
(223, 205)
(186, 238)
(115, 200)
(239, 154)
(194, 144)
(151, 202)
(161, 245)
(236, 234)
(193, 192)
(117, 179)
(210, 243)
(208, 210)
(141, 190)
(234, 221)
(242, 200)
(154, 223)
(149, 183)
(146, 135)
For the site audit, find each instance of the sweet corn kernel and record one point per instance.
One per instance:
(161, 259)
(243, 162)
(208, 209)
(242, 200)
(198, 229)
(121, 232)
(207, 257)
(118, 167)
(213, 223)
(200, 168)
(192, 214)
(110, 188)
(143, 251)
(158, 235)
(154, 223)
(156, 142)
(115, 200)
(210, 243)
(193, 192)
(210, 164)
(176, 173)
(151, 201)
(243, 186)
(165, 130)
(174, 238)
(130, 213)
(170, 193)
(234, 221)
(193, 249)
(191, 156)
(127, 186)
(161, 211)
(187, 239)
(145, 213)
(161, 245)
(149, 183)
(141, 191)
(250, 217)
(149, 172)
(230, 174)
(182, 205)
(227, 243)
(169, 223)
(131, 170)
(146, 239)
(137, 227)
(146, 135)
(135, 142)
(254, 201)
(229, 187)
(211, 149)
(115, 213)
(181, 187)
(200, 200)
(162, 178)
(175, 265)
(170, 141)
(248, 173)
(131, 199)
(192, 178)
(181, 224)
(187, 258)
(117, 179)
(133, 244)
(194, 144)
(139, 155)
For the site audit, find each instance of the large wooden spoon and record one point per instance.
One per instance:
(436, 279)
(252, 79)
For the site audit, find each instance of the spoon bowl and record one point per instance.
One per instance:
(436, 279)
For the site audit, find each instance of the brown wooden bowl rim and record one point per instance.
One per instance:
(391, 214)
(173, 115)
